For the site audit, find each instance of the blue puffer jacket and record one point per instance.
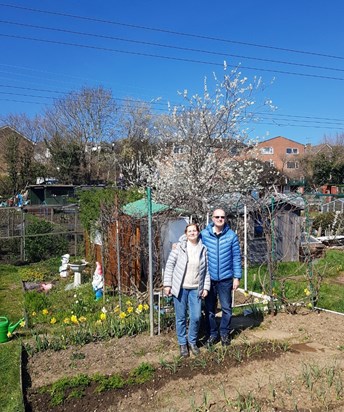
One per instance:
(224, 258)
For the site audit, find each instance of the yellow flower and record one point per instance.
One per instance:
(246, 293)
(82, 319)
(122, 315)
(307, 292)
(102, 316)
(9, 334)
(117, 309)
(34, 313)
(74, 319)
(128, 303)
(130, 309)
(66, 321)
(145, 306)
(22, 323)
(53, 321)
(140, 307)
(45, 311)
(98, 322)
(309, 305)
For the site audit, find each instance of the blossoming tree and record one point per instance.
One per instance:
(204, 148)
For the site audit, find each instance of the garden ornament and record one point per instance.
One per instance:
(98, 281)
(63, 269)
(6, 329)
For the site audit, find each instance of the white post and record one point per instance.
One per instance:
(245, 247)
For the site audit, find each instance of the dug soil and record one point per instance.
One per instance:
(282, 363)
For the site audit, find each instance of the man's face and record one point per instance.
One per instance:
(219, 218)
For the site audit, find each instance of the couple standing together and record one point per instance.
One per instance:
(204, 265)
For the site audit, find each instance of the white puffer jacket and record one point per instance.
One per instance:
(176, 267)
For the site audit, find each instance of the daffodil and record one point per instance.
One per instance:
(82, 319)
(33, 313)
(130, 309)
(66, 321)
(45, 311)
(122, 315)
(9, 334)
(102, 316)
(307, 292)
(53, 321)
(22, 323)
(145, 306)
(74, 319)
(128, 303)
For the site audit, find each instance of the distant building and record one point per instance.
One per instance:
(285, 155)
(9, 135)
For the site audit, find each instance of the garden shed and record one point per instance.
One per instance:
(126, 252)
(282, 218)
(50, 195)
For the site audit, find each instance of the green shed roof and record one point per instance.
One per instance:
(140, 208)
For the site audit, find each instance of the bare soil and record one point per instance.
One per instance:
(309, 376)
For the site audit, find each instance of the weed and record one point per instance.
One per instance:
(141, 374)
(171, 366)
(108, 382)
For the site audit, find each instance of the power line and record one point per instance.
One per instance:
(218, 39)
(167, 57)
(188, 49)
(260, 121)
(309, 119)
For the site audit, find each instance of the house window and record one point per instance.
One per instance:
(292, 150)
(269, 163)
(178, 149)
(292, 165)
(267, 150)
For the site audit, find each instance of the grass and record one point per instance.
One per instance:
(295, 278)
(11, 293)
(11, 392)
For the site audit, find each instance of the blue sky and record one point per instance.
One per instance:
(308, 36)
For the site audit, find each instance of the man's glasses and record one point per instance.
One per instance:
(219, 217)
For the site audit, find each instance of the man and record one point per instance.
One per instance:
(224, 262)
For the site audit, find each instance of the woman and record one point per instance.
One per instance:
(186, 278)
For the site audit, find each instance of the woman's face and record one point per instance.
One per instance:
(192, 233)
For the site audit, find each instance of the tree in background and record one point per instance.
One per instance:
(80, 123)
(202, 154)
(327, 165)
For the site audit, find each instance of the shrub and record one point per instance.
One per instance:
(43, 247)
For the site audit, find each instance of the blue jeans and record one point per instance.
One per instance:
(223, 290)
(188, 300)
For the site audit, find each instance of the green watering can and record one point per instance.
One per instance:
(6, 328)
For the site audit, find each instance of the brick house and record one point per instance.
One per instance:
(285, 155)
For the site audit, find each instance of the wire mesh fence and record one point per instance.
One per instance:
(16, 233)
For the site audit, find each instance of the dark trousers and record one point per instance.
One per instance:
(223, 290)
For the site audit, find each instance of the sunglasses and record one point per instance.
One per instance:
(219, 217)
